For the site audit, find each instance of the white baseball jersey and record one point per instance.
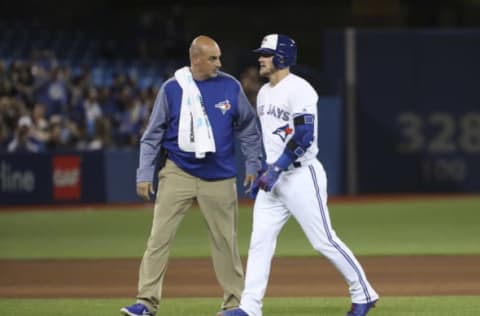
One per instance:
(276, 106)
(300, 191)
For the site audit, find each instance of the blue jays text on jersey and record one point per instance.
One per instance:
(275, 111)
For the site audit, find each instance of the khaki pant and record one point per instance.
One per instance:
(218, 204)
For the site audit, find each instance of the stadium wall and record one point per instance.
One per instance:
(68, 178)
(417, 108)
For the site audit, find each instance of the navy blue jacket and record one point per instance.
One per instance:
(230, 114)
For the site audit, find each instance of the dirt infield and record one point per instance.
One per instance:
(399, 276)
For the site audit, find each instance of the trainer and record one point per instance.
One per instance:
(196, 117)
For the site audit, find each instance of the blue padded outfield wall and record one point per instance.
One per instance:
(418, 108)
(68, 178)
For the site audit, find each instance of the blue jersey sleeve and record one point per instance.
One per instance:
(151, 141)
(248, 134)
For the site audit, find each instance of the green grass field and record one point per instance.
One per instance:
(445, 226)
(410, 227)
(389, 306)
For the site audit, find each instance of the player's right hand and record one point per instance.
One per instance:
(268, 179)
(145, 190)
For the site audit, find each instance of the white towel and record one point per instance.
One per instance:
(194, 130)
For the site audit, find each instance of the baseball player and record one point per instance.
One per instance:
(294, 182)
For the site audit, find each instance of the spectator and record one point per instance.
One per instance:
(55, 92)
(42, 88)
(58, 137)
(23, 81)
(251, 83)
(79, 135)
(40, 125)
(101, 139)
(92, 111)
(23, 140)
(131, 122)
(4, 136)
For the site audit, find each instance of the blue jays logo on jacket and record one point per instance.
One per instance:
(283, 131)
(223, 106)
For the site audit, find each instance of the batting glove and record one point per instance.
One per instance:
(268, 179)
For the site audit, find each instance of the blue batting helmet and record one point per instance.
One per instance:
(282, 47)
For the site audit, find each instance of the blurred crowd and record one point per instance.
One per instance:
(45, 106)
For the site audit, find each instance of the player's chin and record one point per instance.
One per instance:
(264, 72)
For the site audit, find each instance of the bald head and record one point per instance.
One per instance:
(204, 57)
(200, 44)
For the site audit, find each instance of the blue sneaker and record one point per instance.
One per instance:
(233, 312)
(135, 310)
(361, 309)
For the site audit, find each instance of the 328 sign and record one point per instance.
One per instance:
(444, 141)
(439, 132)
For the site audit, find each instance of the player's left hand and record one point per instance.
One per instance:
(268, 179)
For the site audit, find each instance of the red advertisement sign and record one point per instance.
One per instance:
(66, 178)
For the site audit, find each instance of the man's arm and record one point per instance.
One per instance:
(248, 133)
(150, 145)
